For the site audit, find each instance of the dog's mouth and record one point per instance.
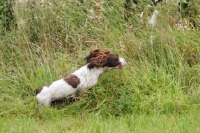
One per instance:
(120, 66)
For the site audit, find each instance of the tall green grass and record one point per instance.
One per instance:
(49, 40)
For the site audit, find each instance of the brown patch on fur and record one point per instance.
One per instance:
(37, 91)
(97, 58)
(72, 80)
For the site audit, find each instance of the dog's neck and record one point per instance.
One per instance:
(89, 77)
(86, 72)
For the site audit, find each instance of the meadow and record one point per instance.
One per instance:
(45, 40)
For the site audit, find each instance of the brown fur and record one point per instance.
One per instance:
(72, 80)
(40, 89)
(37, 91)
(98, 58)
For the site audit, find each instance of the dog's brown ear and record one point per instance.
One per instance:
(99, 61)
(97, 58)
(92, 54)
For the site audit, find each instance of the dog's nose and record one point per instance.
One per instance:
(123, 61)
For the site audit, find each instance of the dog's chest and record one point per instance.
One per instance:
(87, 77)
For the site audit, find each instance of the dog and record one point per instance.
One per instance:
(97, 62)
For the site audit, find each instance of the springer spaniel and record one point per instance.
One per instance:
(98, 61)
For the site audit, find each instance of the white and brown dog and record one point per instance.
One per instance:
(82, 79)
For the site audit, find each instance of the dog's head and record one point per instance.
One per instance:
(104, 58)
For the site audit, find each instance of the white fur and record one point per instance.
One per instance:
(60, 88)
(50, 93)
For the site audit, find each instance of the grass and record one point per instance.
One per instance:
(172, 123)
(157, 92)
